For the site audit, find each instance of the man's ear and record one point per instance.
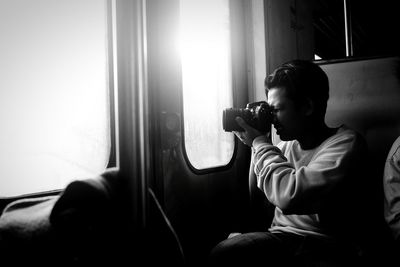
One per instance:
(308, 107)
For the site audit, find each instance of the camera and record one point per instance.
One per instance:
(257, 114)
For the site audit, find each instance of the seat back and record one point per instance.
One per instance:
(365, 95)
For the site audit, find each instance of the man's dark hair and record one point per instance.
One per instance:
(302, 79)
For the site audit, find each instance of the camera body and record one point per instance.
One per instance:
(257, 114)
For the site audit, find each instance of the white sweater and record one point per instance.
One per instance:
(299, 182)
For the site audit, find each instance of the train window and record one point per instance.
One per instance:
(374, 28)
(207, 81)
(366, 32)
(329, 30)
(54, 97)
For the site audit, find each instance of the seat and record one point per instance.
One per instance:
(87, 224)
(365, 95)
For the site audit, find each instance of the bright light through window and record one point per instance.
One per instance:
(54, 106)
(207, 80)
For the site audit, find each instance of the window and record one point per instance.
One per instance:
(207, 81)
(370, 29)
(54, 95)
(329, 30)
(374, 28)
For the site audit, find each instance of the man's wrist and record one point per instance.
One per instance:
(261, 139)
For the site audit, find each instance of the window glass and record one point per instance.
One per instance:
(329, 30)
(207, 81)
(54, 98)
(371, 29)
(374, 28)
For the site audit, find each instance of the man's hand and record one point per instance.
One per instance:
(249, 134)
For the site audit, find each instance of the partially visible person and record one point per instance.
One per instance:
(391, 189)
(310, 177)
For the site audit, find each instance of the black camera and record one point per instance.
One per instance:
(257, 114)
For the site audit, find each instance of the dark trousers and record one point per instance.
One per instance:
(281, 249)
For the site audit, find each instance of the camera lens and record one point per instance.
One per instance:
(229, 115)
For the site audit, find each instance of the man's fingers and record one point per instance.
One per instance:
(241, 123)
(239, 135)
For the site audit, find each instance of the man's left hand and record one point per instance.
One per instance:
(249, 133)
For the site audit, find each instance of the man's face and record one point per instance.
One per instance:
(288, 119)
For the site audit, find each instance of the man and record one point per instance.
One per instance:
(309, 177)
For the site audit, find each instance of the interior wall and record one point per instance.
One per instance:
(288, 26)
(288, 31)
(255, 49)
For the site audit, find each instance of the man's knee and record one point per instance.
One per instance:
(241, 249)
(224, 252)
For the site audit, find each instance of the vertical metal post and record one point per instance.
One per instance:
(348, 28)
(133, 118)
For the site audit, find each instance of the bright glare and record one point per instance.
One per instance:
(207, 80)
(54, 95)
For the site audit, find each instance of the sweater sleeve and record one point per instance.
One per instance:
(391, 186)
(305, 189)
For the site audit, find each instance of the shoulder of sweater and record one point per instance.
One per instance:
(349, 138)
(345, 132)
